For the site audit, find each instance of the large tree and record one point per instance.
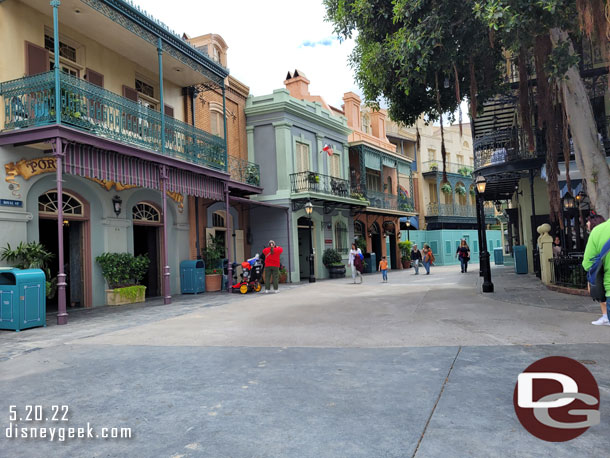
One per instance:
(407, 50)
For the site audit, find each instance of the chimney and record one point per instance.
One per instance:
(351, 106)
(298, 85)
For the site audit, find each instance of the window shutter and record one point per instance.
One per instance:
(94, 77)
(169, 111)
(36, 59)
(130, 93)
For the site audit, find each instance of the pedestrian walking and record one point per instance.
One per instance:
(596, 261)
(272, 266)
(463, 254)
(428, 258)
(355, 261)
(416, 258)
(383, 266)
(556, 247)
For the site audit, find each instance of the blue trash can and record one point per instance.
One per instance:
(520, 253)
(499, 256)
(192, 276)
(22, 299)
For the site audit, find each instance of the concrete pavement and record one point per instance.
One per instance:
(421, 366)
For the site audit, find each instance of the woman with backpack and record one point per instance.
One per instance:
(428, 258)
(463, 254)
(355, 262)
(597, 256)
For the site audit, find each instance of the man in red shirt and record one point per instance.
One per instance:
(272, 265)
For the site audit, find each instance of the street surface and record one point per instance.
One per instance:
(421, 366)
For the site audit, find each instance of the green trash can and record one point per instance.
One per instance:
(22, 299)
(498, 256)
(520, 253)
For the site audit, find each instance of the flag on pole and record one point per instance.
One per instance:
(328, 149)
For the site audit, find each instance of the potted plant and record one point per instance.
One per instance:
(461, 190)
(334, 263)
(433, 166)
(465, 171)
(213, 254)
(472, 191)
(123, 273)
(283, 274)
(446, 188)
(405, 253)
(31, 255)
(313, 178)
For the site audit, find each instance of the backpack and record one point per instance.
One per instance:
(595, 275)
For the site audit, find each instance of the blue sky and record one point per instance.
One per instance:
(266, 40)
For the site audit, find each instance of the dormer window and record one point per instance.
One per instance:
(216, 54)
(366, 124)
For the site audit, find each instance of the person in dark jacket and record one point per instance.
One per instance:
(463, 254)
(416, 258)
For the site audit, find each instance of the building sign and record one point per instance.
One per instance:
(328, 241)
(11, 203)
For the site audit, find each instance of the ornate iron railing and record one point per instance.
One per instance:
(244, 171)
(317, 182)
(30, 101)
(382, 200)
(506, 145)
(451, 167)
(465, 211)
(568, 271)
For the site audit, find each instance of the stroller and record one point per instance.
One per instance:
(250, 277)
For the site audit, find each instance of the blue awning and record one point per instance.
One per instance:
(412, 219)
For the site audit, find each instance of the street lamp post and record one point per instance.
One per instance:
(309, 211)
(408, 228)
(488, 286)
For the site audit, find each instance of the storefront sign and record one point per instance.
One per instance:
(27, 168)
(11, 203)
(328, 241)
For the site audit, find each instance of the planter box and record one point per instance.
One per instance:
(336, 271)
(114, 296)
(406, 264)
(213, 282)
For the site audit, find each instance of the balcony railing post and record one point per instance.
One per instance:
(224, 121)
(55, 4)
(162, 107)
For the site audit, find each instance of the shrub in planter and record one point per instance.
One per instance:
(31, 256)
(283, 274)
(213, 254)
(461, 190)
(334, 263)
(433, 167)
(405, 253)
(123, 273)
(446, 188)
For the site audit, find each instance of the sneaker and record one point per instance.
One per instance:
(275, 291)
(601, 322)
(266, 291)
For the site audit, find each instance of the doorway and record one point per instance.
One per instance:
(392, 251)
(304, 236)
(147, 242)
(75, 246)
(375, 244)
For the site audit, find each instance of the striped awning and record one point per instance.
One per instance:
(90, 162)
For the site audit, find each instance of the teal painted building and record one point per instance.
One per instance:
(444, 243)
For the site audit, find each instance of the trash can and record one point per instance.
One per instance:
(22, 299)
(371, 263)
(520, 253)
(192, 276)
(499, 256)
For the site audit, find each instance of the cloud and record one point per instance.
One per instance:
(323, 42)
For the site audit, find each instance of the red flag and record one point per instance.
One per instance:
(328, 149)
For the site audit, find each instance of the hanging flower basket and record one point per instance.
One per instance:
(461, 190)
(446, 188)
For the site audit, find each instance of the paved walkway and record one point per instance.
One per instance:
(421, 366)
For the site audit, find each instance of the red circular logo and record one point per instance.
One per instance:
(556, 399)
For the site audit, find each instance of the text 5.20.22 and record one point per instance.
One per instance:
(38, 413)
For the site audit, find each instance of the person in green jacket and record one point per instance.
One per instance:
(600, 234)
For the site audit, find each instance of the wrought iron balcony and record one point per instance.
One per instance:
(506, 145)
(382, 200)
(464, 211)
(30, 102)
(244, 171)
(317, 182)
(451, 167)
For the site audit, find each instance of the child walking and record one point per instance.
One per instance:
(383, 266)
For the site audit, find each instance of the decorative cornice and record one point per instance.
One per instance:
(18, 216)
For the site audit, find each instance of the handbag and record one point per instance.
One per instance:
(595, 275)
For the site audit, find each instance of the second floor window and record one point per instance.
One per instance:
(302, 157)
(216, 127)
(373, 181)
(460, 159)
(433, 193)
(145, 88)
(431, 154)
(66, 51)
(334, 163)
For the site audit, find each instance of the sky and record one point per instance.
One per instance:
(266, 40)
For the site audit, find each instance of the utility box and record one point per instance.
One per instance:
(520, 253)
(192, 276)
(22, 299)
(499, 256)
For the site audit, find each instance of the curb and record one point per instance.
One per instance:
(566, 290)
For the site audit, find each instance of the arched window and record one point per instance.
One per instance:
(341, 237)
(71, 206)
(358, 229)
(218, 219)
(144, 212)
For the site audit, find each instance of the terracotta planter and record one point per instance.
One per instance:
(406, 264)
(213, 282)
(114, 296)
(283, 278)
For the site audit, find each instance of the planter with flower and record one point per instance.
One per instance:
(433, 167)
(213, 255)
(334, 263)
(460, 190)
(123, 273)
(405, 253)
(446, 188)
(283, 274)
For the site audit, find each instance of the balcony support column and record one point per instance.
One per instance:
(162, 107)
(488, 286)
(228, 239)
(167, 294)
(224, 123)
(55, 4)
(62, 315)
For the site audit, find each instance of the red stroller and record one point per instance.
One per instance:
(250, 277)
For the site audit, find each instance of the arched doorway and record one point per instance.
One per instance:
(76, 244)
(389, 229)
(147, 238)
(304, 239)
(375, 244)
